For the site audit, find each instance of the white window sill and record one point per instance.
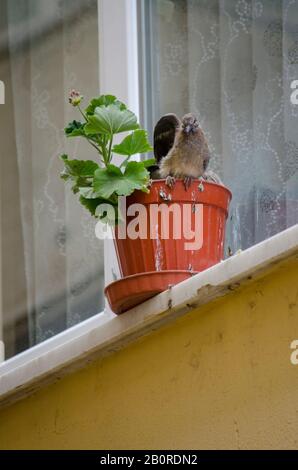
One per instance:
(101, 334)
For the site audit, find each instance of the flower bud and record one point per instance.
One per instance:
(75, 98)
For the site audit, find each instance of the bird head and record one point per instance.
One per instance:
(189, 123)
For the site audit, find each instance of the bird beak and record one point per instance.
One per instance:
(187, 129)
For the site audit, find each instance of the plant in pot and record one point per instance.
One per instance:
(162, 235)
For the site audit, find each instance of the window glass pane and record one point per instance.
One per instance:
(232, 63)
(51, 262)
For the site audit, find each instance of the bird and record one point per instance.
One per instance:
(181, 150)
(163, 138)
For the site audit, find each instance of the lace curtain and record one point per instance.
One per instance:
(232, 62)
(48, 47)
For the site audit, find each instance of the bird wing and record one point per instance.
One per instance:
(205, 152)
(206, 156)
(164, 135)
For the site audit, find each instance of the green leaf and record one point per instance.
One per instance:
(103, 100)
(136, 142)
(109, 215)
(148, 163)
(111, 180)
(91, 201)
(91, 204)
(80, 172)
(75, 129)
(88, 192)
(78, 167)
(111, 120)
(136, 173)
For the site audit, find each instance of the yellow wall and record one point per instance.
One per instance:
(218, 378)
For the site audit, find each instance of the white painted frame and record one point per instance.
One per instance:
(118, 75)
(118, 50)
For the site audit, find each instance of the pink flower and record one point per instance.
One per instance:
(75, 98)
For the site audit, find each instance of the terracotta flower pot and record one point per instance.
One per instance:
(166, 255)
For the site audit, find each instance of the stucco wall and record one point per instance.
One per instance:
(220, 377)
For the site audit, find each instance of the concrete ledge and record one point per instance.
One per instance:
(102, 335)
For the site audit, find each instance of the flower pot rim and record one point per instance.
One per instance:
(137, 275)
(129, 291)
(212, 194)
(199, 180)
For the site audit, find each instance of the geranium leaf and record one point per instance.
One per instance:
(103, 100)
(111, 180)
(111, 120)
(136, 142)
(74, 129)
(90, 204)
(78, 167)
(80, 172)
(148, 163)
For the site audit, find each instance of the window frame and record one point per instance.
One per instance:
(253, 260)
(121, 44)
(118, 75)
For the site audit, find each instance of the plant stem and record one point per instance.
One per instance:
(94, 145)
(101, 152)
(82, 113)
(110, 149)
(104, 151)
(124, 161)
